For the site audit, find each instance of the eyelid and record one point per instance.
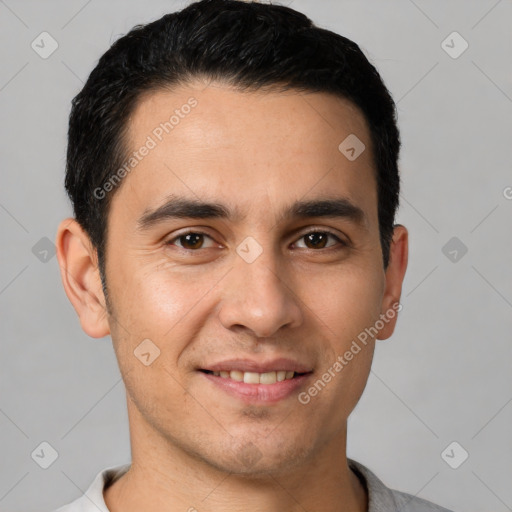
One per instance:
(188, 232)
(327, 231)
(298, 236)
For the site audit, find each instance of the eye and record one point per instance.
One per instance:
(195, 240)
(191, 240)
(318, 239)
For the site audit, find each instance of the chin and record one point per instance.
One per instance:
(253, 458)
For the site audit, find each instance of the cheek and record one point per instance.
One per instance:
(169, 307)
(346, 300)
(153, 300)
(347, 303)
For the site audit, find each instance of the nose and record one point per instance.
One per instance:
(257, 297)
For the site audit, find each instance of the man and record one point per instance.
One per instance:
(233, 172)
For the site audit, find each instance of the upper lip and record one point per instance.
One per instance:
(250, 365)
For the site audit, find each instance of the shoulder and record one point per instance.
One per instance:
(409, 503)
(92, 500)
(383, 499)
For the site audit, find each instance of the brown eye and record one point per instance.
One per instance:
(318, 239)
(191, 240)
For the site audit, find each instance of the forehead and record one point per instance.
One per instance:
(253, 150)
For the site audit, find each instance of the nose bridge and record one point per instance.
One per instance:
(256, 296)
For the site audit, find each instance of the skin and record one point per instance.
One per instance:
(190, 441)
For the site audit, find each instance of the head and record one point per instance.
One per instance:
(250, 108)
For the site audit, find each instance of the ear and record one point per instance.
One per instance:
(81, 278)
(399, 252)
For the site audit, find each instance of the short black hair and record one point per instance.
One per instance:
(247, 45)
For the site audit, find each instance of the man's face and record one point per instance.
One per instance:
(250, 289)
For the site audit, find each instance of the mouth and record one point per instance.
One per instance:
(256, 382)
(265, 378)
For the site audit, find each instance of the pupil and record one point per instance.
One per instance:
(318, 239)
(196, 236)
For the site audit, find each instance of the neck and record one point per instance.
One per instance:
(166, 477)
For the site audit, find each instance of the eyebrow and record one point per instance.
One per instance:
(177, 207)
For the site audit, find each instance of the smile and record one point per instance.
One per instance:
(255, 377)
(257, 388)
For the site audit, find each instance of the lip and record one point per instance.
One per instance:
(263, 394)
(250, 365)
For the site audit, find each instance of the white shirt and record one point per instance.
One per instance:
(380, 497)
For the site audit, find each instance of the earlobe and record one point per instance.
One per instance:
(81, 279)
(395, 273)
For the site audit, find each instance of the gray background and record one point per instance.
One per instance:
(444, 376)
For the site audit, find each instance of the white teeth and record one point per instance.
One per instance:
(256, 378)
(251, 378)
(236, 375)
(268, 378)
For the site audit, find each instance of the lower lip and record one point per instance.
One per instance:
(253, 393)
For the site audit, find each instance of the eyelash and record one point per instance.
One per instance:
(323, 231)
